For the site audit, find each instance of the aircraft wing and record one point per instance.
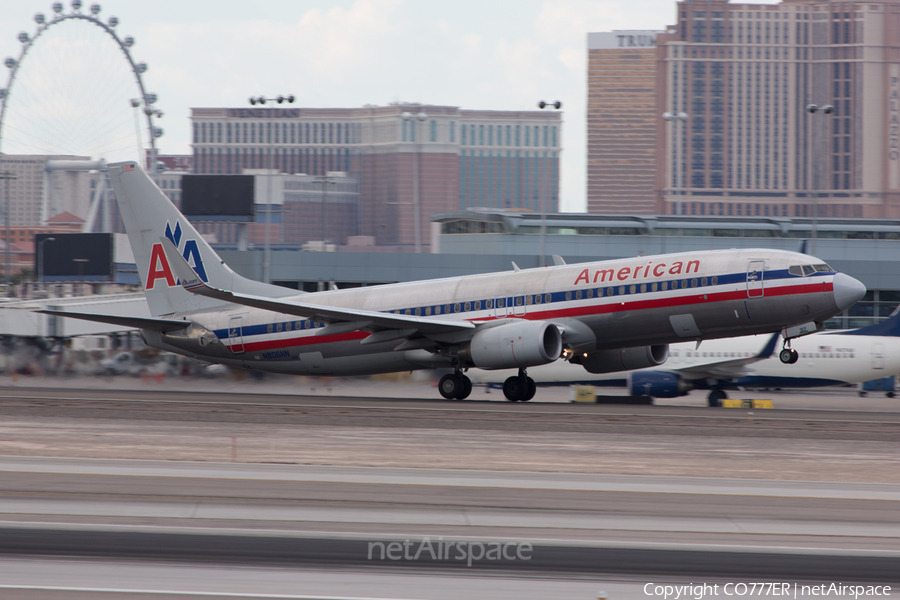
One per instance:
(161, 325)
(729, 369)
(350, 319)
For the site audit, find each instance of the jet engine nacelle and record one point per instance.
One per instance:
(514, 345)
(625, 359)
(657, 384)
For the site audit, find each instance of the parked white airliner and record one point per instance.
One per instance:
(825, 358)
(614, 315)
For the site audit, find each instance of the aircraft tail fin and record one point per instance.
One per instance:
(890, 327)
(769, 349)
(148, 216)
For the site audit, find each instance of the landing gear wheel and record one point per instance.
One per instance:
(466, 388)
(788, 355)
(715, 398)
(515, 388)
(455, 386)
(530, 389)
(451, 385)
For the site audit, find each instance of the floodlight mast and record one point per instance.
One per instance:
(542, 105)
(267, 249)
(812, 109)
(417, 215)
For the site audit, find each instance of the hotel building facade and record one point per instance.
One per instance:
(445, 157)
(745, 75)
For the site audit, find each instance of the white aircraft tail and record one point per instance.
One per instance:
(150, 216)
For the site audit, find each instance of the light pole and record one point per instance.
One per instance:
(678, 142)
(81, 262)
(325, 180)
(40, 259)
(826, 110)
(267, 249)
(412, 119)
(6, 176)
(542, 105)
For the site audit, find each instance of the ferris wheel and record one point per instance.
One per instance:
(75, 97)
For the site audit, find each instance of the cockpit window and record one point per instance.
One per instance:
(807, 270)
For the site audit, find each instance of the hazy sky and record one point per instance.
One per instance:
(475, 54)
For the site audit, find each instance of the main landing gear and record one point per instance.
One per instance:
(788, 355)
(715, 398)
(519, 388)
(455, 386)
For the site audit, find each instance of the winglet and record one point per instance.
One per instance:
(515, 267)
(183, 271)
(558, 260)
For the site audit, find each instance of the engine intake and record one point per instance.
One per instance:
(513, 345)
(624, 359)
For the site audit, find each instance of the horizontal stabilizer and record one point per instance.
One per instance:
(161, 325)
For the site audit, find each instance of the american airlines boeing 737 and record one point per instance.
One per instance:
(608, 316)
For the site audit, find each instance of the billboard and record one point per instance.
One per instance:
(74, 256)
(217, 197)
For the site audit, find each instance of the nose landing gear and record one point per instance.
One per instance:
(788, 355)
(519, 388)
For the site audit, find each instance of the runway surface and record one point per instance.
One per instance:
(806, 444)
(288, 514)
(601, 494)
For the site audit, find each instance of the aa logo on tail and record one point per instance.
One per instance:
(159, 264)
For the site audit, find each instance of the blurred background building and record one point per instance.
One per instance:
(743, 75)
(621, 122)
(411, 160)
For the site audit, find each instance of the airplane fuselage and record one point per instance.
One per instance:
(827, 358)
(604, 305)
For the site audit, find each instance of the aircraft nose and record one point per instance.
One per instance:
(847, 291)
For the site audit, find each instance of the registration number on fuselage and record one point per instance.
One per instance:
(276, 354)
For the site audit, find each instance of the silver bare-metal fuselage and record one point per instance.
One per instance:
(603, 305)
